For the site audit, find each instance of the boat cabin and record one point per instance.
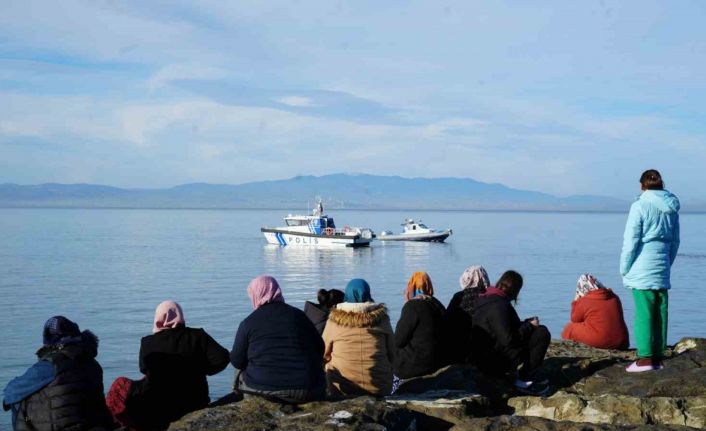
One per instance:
(411, 226)
(311, 224)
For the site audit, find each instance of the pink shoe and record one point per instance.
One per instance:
(634, 368)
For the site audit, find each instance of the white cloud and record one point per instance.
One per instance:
(298, 101)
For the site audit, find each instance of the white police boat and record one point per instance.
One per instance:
(416, 231)
(315, 230)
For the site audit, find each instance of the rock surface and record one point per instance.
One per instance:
(590, 391)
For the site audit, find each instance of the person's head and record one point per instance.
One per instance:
(474, 277)
(587, 283)
(510, 283)
(419, 284)
(329, 298)
(263, 290)
(168, 315)
(358, 290)
(651, 180)
(60, 330)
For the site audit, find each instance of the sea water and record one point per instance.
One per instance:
(108, 269)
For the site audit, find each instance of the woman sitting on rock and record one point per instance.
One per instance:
(502, 342)
(277, 351)
(318, 314)
(596, 316)
(360, 347)
(175, 360)
(420, 335)
(459, 314)
(64, 388)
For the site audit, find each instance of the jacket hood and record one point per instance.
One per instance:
(358, 315)
(662, 199)
(87, 346)
(600, 294)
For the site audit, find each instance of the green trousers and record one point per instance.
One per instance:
(651, 313)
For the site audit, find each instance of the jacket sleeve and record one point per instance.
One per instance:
(675, 241)
(631, 238)
(141, 357)
(35, 378)
(406, 325)
(578, 313)
(390, 341)
(455, 302)
(215, 355)
(507, 335)
(239, 354)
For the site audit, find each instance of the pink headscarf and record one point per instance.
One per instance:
(263, 290)
(167, 315)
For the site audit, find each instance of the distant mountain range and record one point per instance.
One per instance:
(355, 191)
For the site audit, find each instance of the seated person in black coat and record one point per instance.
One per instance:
(501, 342)
(318, 314)
(419, 334)
(175, 360)
(459, 314)
(278, 354)
(63, 390)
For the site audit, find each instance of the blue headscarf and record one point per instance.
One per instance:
(358, 290)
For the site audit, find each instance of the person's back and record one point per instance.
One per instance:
(68, 386)
(278, 348)
(496, 344)
(176, 362)
(459, 313)
(597, 320)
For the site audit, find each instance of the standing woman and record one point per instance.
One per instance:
(650, 245)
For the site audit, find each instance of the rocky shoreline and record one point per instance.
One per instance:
(589, 391)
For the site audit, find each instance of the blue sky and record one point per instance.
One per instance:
(562, 97)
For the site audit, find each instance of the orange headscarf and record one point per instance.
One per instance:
(419, 284)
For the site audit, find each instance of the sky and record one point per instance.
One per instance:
(554, 96)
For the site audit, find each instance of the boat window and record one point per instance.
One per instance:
(295, 222)
(414, 227)
(423, 226)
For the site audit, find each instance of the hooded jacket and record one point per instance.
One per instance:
(651, 241)
(597, 320)
(359, 349)
(71, 396)
(420, 338)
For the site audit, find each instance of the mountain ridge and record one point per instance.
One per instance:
(354, 191)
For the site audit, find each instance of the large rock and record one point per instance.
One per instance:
(525, 423)
(675, 395)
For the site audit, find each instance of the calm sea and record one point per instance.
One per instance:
(108, 269)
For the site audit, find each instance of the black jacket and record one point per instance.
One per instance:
(420, 338)
(459, 321)
(318, 314)
(74, 400)
(175, 362)
(277, 348)
(497, 334)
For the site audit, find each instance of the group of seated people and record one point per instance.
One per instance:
(343, 346)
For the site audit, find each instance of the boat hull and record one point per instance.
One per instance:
(420, 237)
(288, 238)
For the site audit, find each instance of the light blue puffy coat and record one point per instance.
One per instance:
(651, 241)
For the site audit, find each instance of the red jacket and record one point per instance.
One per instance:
(597, 320)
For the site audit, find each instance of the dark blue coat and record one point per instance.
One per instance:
(278, 348)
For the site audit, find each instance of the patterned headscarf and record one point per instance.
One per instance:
(419, 284)
(357, 290)
(167, 315)
(60, 330)
(587, 283)
(263, 290)
(474, 277)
